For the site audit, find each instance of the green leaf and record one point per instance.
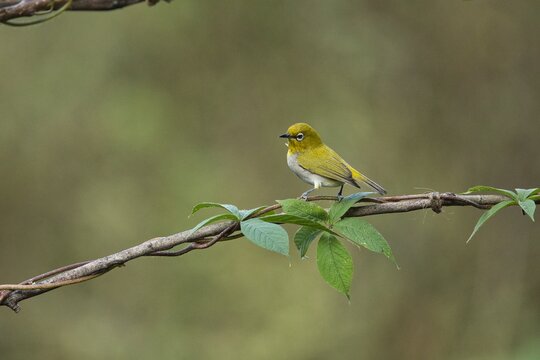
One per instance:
(523, 194)
(535, 197)
(211, 220)
(528, 207)
(304, 237)
(245, 213)
(307, 210)
(296, 220)
(230, 208)
(489, 213)
(266, 235)
(362, 233)
(479, 188)
(339, 208)
(335, 263)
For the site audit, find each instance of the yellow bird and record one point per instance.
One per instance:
(317, 164)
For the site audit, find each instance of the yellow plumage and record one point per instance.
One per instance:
(316, 163)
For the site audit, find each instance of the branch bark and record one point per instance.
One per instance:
(12, 9)
(11, 295)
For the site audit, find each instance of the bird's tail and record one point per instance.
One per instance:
(370, 182)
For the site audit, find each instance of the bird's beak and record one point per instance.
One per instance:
(286, 136)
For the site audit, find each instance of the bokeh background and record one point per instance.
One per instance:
(113, 125)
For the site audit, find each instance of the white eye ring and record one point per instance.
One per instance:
(300, 137)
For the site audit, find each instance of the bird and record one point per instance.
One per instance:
(314, 162)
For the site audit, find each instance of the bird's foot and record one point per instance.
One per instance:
(340, 194)
(304, 196)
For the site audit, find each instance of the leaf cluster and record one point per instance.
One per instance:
(524, 198)
(328, 228)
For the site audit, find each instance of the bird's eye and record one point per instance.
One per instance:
(300, 137)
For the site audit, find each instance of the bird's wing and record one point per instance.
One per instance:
(326, 162)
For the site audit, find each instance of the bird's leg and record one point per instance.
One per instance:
(305, 194)
(340, 193)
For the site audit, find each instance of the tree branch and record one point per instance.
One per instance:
(11, 295)
(12, 9)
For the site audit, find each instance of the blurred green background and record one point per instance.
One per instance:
(113, 125)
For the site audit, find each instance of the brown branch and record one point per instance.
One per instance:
(11, 295)
(12, 9)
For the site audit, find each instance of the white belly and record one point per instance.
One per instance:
(316, 180)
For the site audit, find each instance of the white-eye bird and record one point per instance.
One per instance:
(317, 164)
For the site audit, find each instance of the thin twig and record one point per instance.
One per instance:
(54, 272)
(47, 286)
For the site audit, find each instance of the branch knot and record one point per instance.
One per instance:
(435, 202)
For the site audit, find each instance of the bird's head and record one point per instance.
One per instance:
(301, 137)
